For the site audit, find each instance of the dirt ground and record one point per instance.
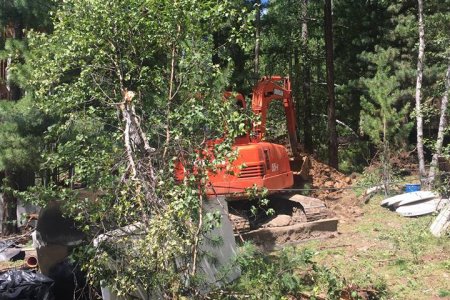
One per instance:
(377, 247)
(335, 189)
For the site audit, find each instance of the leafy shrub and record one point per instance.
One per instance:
(286, 274)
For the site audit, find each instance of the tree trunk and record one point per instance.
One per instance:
(385, 159)
(140, 171)
(295, 70)
(18, 180)
(442, 125)
(257, 37)
(419, 118)
(9, 221)
(14, 90)
(306, 79)
(332, 133)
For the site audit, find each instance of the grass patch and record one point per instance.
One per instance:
(395, 253)
(444, 293)
(381, 253)
(293, 273)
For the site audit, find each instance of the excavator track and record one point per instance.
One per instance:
(296, 218)
(240, 222)
(313, 208)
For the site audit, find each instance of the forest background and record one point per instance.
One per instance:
(81, 74)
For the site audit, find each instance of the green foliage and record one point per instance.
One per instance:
(383, 116)
(444, 293)
(403, 38)
(78, 74)
(27, 13)
(21, 128)
(442, 185)
(353, 156)
(276, 129)
(21, 122)
(178, 57)
(265, 277)
(290, 272)
(360, 29)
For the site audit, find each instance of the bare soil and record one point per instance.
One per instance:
(335, 189)
(377, 247)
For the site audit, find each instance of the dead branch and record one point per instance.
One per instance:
(140, 171)
(197, 236)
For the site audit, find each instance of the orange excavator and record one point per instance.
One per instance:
(260, 164)
(263, 165)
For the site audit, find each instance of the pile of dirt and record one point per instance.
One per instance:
(327, 182)
(334, 188)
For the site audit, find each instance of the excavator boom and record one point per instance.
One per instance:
(269, 89)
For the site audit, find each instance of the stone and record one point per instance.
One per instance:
(279, 221)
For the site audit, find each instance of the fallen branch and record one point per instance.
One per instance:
(140, 172)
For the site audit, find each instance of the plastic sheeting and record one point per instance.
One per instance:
(10, 251)
(25, 285)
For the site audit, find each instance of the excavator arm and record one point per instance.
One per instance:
(267, 90)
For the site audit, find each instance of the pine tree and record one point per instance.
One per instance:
(384, 118)
(20, 123)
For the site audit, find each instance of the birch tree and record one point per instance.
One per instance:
(441, 130)
(132, 90)
(418, 96)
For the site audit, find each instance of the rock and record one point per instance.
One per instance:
(329, 183)
(279, 221)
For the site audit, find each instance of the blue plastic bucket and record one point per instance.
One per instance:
(412, 187)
